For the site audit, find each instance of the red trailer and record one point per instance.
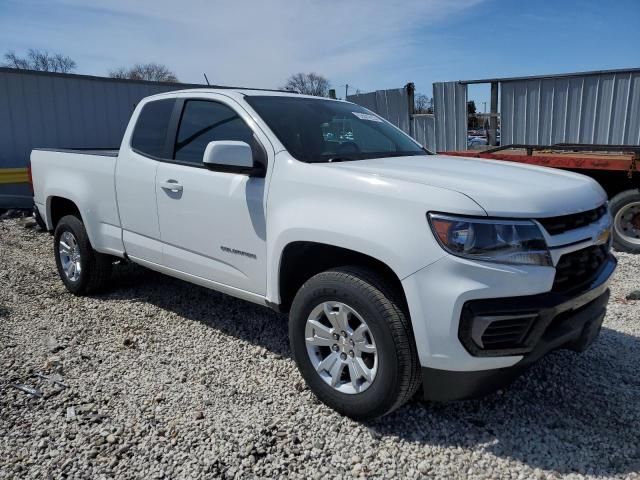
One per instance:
(615, 167)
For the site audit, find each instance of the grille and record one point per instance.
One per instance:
(575, 269)
(564, 223)
(507, 333)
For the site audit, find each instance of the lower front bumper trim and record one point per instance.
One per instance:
(576, 330)
(445, 385)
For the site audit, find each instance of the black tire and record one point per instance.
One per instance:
(95, 269)
(617, 203)
(398, 375)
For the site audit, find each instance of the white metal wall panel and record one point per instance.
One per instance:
(39, 109)
(600, 108)
(424, 131)
(450, 109)
(47, 110)
(392, 105)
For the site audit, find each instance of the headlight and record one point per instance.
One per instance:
(491, 240)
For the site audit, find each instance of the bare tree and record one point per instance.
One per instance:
(147, 71)
(308, 84)
(423, 104)
(41, 61)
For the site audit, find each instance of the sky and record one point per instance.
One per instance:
(368, 45)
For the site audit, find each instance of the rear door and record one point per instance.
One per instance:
(212, 222)
(136, 180)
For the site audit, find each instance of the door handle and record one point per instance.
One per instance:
(171, 185)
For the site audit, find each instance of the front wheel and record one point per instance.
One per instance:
(81, 268)
(353, 343)
(625, 209)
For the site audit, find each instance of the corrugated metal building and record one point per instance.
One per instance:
(601, 107)
(591, 108)
(395, 105)
(450, 110)
(42, 109)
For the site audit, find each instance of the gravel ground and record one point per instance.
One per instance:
(168, 380)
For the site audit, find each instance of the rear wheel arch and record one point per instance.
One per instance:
(301, 260)
(59, 207)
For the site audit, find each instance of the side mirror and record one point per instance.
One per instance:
(230, 156)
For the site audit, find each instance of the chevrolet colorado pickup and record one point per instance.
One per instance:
(398, 268)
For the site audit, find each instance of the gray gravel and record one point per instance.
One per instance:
(162, 379)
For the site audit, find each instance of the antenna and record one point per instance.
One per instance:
(207, 80)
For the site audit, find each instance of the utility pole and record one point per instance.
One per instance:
(346, 91)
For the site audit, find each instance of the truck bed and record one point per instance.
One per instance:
(86, 178)
(103, 152)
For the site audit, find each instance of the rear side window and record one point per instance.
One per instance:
(150, 134)
(206, 121)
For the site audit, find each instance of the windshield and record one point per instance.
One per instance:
(317, 130)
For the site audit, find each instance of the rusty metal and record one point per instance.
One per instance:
(576, 161)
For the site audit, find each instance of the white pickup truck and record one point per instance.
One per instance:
(397, 267)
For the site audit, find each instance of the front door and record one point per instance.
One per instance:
(212, 223)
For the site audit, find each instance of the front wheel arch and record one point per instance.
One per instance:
(398, 369)
(301, 260)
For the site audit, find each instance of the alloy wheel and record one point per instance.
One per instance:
(70, 258)
(341, 347)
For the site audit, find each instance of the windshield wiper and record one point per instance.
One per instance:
(330, 159)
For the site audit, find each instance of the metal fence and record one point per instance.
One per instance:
(446, 130)
(424, 130)
(396, 106)
(41, 109)
(393, 105)
(597, 108)
(450, 109)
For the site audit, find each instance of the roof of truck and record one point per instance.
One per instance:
(242, 92)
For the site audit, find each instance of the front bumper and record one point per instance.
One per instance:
(560, 321)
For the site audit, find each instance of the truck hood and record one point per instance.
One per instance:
(500, 188)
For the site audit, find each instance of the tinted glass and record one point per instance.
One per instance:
(316, 130)
(203, 122)
(150, 134)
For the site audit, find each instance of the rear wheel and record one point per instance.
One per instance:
(81, 268)
(353, 343)
(625, 209)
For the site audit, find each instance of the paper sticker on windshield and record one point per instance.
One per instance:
(367, 116)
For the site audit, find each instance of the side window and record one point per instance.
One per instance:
(150, 133)
(204, 121)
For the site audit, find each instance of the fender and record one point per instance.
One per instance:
(382, 218)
